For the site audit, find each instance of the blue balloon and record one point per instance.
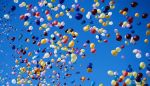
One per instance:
(61, 1)
(92, 83)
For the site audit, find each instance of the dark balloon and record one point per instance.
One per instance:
(45, 33)
(37, 22)
(144, 15)
(78, 16)
(107, 8)
(61, 1)
(140, 75)
(26, 18)
(134, 4)
(128, 36)
(125, 9)
(13, 8)
(136, 38)
(138, 79)
(94, 11)
(88, 41)
(118, 37)
(13, 47)
(130, 20)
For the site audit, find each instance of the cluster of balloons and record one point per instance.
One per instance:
(129, 77)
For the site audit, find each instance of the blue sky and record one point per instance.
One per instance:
(102, 60)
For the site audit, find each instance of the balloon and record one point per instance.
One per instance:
(89, 69)
(148, 25)
(46, 55)
(136, 38)
(78, 16)
(134, 4)
(73, 58)
(128, 81)
(146, 41)
(15, 1)
(110, 73)
(13, 81)
(94, 11)
(142, 65)
(118, 37)
(101, 84)
(93, 50)
(118, 49)
(6, 16)
(128, 36)
(71, 44)
(148, 73)
(114, 52)
(144, 15)
(92, 45)
(83, 78)
(43, 41)
(138, 55)
(147, 32)
(61, 1)
(113, 83)
(92, 83)
(86, 28)
(49, 18)
(134, 74)
(136, 14)
(93, 30)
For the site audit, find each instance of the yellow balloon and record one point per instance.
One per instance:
(118, 49)
(100, 20)
(110, 73)
(86, 28)
(113, 82)
(43, 41)
(57, 15)
(49, 18)
(101, 84)
(82, 10)
(114, 52)
(71, 44)
(136, 14)
(61, 13)
(44, 25)
(89, 69)
(52, 0)
(134, 74)
(142, 65)
(146, 41)
(92, 45)
(124, 13)
(128, 81)
(147, 32)
(73, 58)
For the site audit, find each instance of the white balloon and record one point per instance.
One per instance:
(111, 23)
(6, 16)
(73, 58)
(15, 1)
(41, 19)
(63, 7)
(148, 73)
(97, 36)
(147, 54)
(135, 51)
(109, 13)
(46, 55)
(138, 55)
(13, 81)
(116, 30)
(87, 16)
